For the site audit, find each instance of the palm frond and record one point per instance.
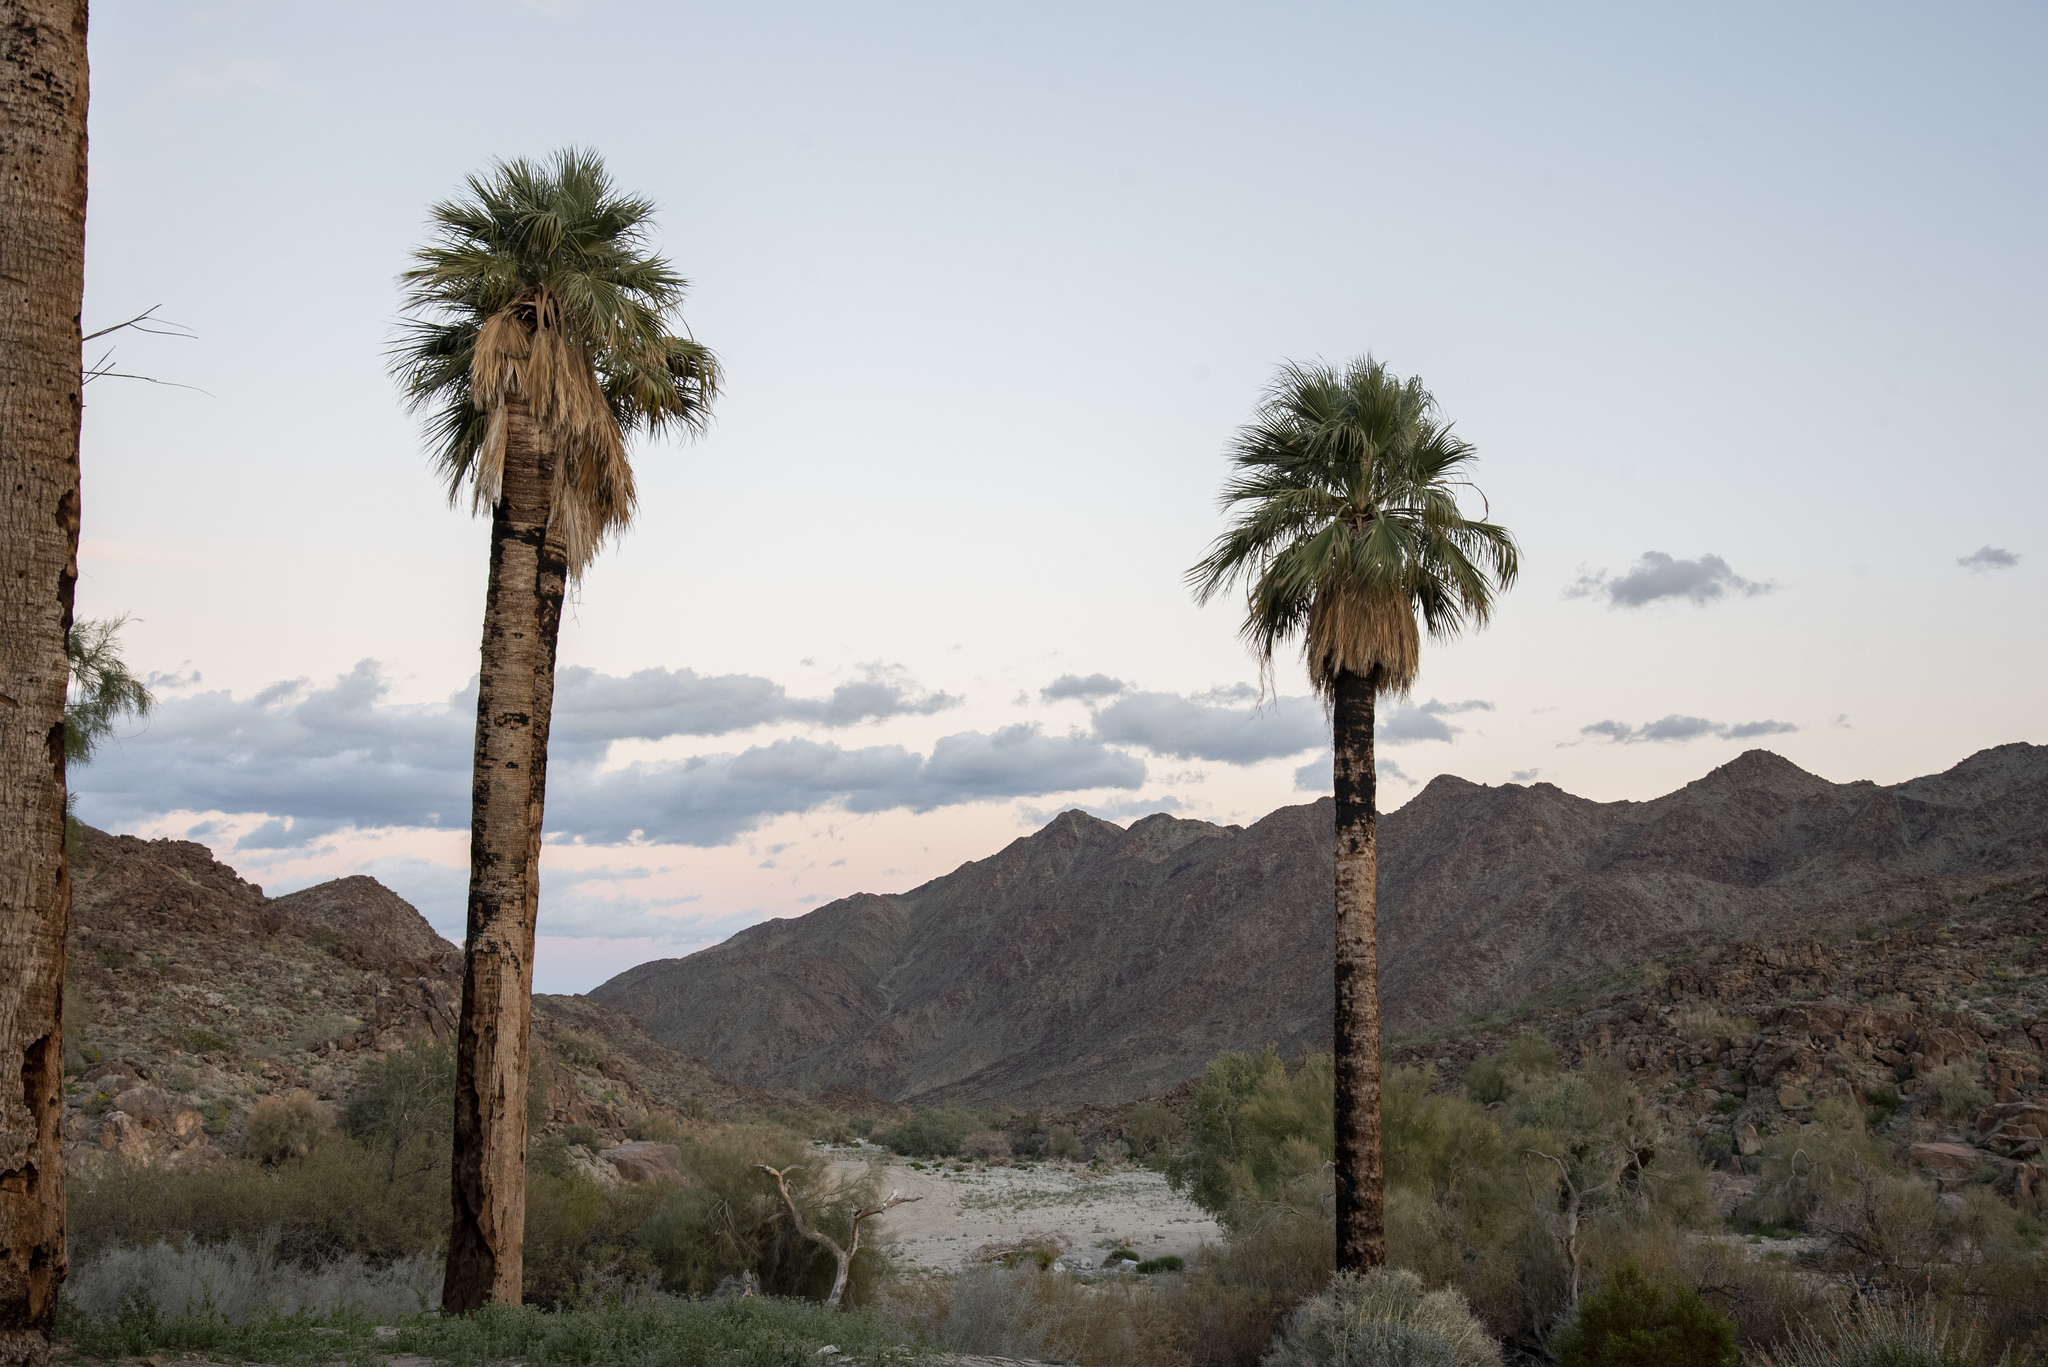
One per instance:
(539, 283)
(1347, 526)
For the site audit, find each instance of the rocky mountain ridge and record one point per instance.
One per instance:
(1089, 963)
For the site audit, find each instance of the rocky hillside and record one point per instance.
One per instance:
(1090, 963)
(190, 994)
(1747, 1038)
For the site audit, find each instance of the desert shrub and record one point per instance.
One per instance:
(657, 1126)
(195, 1040)
(284, 1127)
(652, 1330)
(1061, 1143)
(578, 1049)
(1260, 1133)
(239, 1283)
(986, 1145)
(335, 1201)
(1702, 1023)
(1812, 1164)
(1022, 1312)
(1151, 1130)
(1631, 1322)
(1383, 1317)
(1760, 1295)
(1496, 1077)
(929, 1134)
(1957, 1089)
(1171, 1262)
(1915, 1332)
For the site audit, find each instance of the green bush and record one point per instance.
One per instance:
(1261, 1132)
(929, 1134)
(1633, 1323)
(1061, 1143)
(1171, 1262)
(1383, 1319)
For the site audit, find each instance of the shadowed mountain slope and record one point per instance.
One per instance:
(1090, 963)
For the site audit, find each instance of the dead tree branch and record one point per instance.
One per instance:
(843, 1255)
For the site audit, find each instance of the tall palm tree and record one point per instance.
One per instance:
(1347, 530)
(42, 258)
(540, 338)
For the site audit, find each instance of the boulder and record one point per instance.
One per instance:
(643, 1160)
(2015, 1129)
(1952, 1165)
(592, 1167)
(1746, 1140)
(122, 1135)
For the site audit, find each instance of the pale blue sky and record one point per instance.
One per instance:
(993, 286)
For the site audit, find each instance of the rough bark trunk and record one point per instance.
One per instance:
(1361, 1194)
(515, 696)
(42, 285)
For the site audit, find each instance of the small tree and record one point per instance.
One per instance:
(844, 1255)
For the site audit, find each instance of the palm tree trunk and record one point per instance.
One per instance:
(42, 260)
(515, 696)
(1361, 1192)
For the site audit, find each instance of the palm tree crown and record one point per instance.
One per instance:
(539, 286)
(1348, 526)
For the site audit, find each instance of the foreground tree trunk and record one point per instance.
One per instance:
(515, 695)
(42, 285)
(1361, 1189)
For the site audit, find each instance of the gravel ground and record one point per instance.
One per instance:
(966, 1207)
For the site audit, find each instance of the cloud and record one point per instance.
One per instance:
(1986, 558)
(1525, 775)
(593, 709)
(711, 800)
(1423, 721)
(1205, 726)
(1676, 728)
(1657, 576)
(1078, 686)
(319, 760)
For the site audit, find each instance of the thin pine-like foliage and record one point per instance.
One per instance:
(103, 690)
(539, 285)
(1347, 526)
